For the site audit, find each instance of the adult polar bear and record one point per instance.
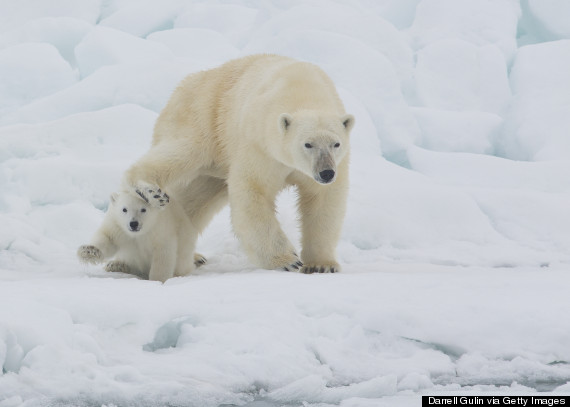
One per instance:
(254, 126)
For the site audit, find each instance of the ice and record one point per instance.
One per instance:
(31, 71)
(456, 75)
(143, 18)
(539, 114)
(234, 21)
(467, 131)
(14, 14)
(148, 86)
(549, 18)
(455, 246)
(401, 13)
(197, 43)
(367, 28)
(62, 32)
(480, 22)
(107, 46)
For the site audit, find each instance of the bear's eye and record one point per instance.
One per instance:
(337, 145)
(307, 145)
(143, 210)
(125, 210)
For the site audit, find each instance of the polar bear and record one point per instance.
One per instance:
(153, 243)
(245, 131)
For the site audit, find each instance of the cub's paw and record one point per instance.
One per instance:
(118, 267)
(199, 260)
(89, 254)
(317, 268)
(152, 194)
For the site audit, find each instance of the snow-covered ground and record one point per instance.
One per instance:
(456, 245)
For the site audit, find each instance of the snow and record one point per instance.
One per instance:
(538, 116)
(472, 78)
(549, 18)
(455, 248)
(30, 71)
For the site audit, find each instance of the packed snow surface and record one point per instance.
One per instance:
(455, 248)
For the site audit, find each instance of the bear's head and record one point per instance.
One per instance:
(133, 215)
(316, 143)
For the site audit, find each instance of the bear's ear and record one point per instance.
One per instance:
(285, 120)
(114, 197)
(347, 121)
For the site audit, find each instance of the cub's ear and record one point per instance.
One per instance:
(114, 197)
(347, 121)
(285, 120)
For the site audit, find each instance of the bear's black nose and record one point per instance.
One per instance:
(134, 225)
(326, 175)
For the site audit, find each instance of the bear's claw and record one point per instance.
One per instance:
(152, 195)
(312, 269)
(295, 266)
(199, 260)
(90, 254)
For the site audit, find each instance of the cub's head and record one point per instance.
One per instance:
(133, 214)
(316, 143)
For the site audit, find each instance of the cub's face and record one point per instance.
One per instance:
(133, 215)
(316, 144)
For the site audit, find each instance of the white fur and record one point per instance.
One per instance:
(257, 125)
(153, 243)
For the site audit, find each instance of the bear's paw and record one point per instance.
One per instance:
(117, 267)
(317, 268)
(295, 264)
(199, 260)
(90, 254)
(152, 194)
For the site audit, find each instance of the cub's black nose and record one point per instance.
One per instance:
(326, 175)
(134, 225)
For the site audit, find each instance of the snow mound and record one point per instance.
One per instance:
(366, 28)
(197, 43)
(480, 22)
(549, 18)
(62, 32)
(452, 131)
(107, 46)
(456, 75)
(234, 21)
(539, 116)
(149, 86)
(31, 71)
(16, 13)
(143, 17)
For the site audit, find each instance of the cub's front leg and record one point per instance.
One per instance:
(100, 249)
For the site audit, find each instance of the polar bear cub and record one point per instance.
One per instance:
(151, 242)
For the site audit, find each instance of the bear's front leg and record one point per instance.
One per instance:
(253, 219)
(164, 164)
(322, 209)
